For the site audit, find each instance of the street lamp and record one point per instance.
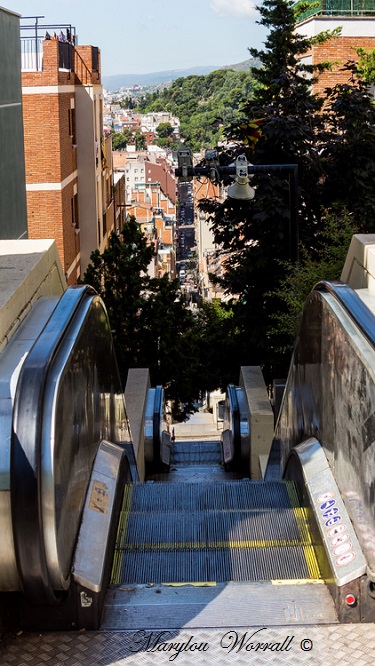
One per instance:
(242, 190)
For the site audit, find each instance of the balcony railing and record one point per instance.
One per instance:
(339, 8)
(33, 34)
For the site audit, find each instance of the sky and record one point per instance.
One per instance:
(142, 36)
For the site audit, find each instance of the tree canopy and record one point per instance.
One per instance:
(151, 326)
(202, 103)
(292, 128)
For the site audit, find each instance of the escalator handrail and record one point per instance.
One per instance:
(352, 304)
(25, 466)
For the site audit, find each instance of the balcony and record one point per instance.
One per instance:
(33, 37)
(339, 8)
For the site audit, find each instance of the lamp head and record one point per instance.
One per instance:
(241, 189)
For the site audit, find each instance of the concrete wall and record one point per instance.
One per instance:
(261, 419)
(137, 385)
(13, 219)
(29, 269)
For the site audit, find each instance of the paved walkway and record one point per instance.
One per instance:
(201, 425)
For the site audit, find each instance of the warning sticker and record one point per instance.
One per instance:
(99, 498)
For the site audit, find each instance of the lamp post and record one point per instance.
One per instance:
(188, 172)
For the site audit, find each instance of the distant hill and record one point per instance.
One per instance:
(117, 81)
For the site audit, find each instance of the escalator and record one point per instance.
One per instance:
(71, 495)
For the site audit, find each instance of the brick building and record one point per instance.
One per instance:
(68, 158)
(357, 22)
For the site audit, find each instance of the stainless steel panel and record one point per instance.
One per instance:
(90, 555)
(149, 426)
(330, 395)
(83, 405)
(340, 542)
(11, 361)
(244, 444)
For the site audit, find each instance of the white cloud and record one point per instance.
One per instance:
(239, 8)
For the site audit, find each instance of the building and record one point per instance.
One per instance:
(13, 218)
(357, 22)
(68, 156)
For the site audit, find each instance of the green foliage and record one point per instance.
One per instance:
(164, 130)
(366, 65)
(121, 139)
(140, 140)
(151, 326)
(348, 152)
(203, 104)
(128, 103)
(255, 235)
(325, 262)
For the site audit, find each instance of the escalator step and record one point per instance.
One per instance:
(227, 531)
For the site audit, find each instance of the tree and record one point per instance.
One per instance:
(366, 65)
(254, 235)
(199, 101)
(164, 130)
(348, 151)
(119, 275)
(140, 140)
(121, 139)
(151, 326)
(324, 262)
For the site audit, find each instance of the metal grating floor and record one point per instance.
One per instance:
(238, 530)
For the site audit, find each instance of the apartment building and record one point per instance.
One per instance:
(13, 219)
(68, 157)
(357, 22)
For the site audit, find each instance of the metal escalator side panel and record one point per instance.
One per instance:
(236, 433)
(231, 430)
(244, 454)
(339, 553)
(11, 360)
(25, 464)
(149, 427)
(157, 422)
(48, 481)
(83, 405)
(93, 554)
(330, 395)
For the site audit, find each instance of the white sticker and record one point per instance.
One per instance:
(339, 529)
(325, 496)
(341, 538)
(343, 548)
(345, 559)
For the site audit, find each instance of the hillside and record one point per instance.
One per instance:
(204, 104)
(117, 81)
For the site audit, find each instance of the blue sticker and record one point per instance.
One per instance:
(332, 521)
(331, 512)
(327, 505)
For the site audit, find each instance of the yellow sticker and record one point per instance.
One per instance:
(99, 497)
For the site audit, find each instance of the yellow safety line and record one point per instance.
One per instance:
(121, 535)
(301, 517)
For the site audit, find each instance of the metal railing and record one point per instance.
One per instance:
(34, 33)
(339, 8)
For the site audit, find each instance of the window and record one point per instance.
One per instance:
(74, 208)
(72, 125)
